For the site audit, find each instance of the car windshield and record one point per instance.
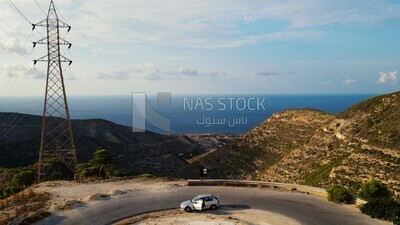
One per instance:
(195, 199)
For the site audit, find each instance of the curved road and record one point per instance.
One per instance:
(305, 209)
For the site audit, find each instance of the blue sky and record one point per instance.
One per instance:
(210, 46)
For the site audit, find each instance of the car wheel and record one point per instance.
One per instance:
(188, 209)
(213, 207)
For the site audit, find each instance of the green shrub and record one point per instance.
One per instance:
(373, 189)
(102, 165)
(383, 208)
(92, 171)
(87, 172)
(8, 191)
(103, 157)
(19, 182)
(23, 179)
(122, 173)
(147, 175)
(339, 194)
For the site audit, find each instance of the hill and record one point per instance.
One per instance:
(140, 152)
(315, 148)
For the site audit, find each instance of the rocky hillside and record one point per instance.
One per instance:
(140, 152)
(319, 149)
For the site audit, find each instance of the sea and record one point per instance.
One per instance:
(187, 114)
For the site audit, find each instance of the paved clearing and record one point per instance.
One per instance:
(226, 215)
(144, 196)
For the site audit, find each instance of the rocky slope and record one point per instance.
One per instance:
(140, 152)
(319, 149)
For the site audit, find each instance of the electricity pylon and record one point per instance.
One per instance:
(57, 142)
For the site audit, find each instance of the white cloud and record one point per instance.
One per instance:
(150, 71)
(16, 45)
(325, 12)
(271, 73)
(181, 57)
(389, 77)
(116, 75)
(187, 71)
(184, 23)
(235, 42)
(14, 70)
(349, 81)
(146, 70)
(329, 82)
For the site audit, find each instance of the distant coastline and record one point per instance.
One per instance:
(118, 109)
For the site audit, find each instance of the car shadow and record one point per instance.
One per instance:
(224, 209)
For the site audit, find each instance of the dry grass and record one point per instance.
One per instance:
(26, 202)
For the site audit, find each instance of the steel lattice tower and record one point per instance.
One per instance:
(57, 141)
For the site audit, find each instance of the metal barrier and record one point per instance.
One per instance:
(245, 183)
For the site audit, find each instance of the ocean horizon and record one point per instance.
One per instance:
(191, 114)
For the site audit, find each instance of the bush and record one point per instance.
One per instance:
(23, 179)
(102, 165)
(122, 173)
(339, 194)
(147, 175)
(8, 191)
(87, 172)
(19, 182)
(92, 171)
(103, 157)
(373, 189)
(383, 208)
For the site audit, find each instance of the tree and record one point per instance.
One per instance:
(103, 159)
(383, 208)
(20, 182)
(339, 194)
(23, 179)
(101, 165)
(373, 189)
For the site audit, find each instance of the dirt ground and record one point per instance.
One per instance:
(223, 216)
(70, 194)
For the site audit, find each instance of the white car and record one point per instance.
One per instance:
(201, 202)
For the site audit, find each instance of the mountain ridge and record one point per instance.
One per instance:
(315, 148)
(145, 152)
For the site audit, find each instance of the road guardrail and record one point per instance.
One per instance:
(265, 184)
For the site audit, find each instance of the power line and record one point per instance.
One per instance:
(15, 30)
(11, 124)
(40, 7)
(19, 11)
(10, 121)
(16, 52)
(59, 13)
(12, 5)
(7, 125)
(15, 120)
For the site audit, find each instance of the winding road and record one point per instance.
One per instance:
(306, 209)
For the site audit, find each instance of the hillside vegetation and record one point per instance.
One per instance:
(315, 148)
(140, 153)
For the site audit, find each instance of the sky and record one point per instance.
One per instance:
(207, 46)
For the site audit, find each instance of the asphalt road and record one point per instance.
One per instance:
(305, 209)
